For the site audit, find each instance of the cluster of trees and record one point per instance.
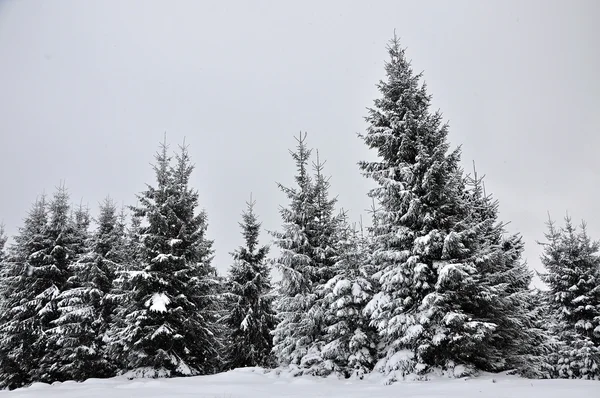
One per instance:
(435, 283)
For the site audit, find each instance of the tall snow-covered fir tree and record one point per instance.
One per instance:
(20, 327)
(249, 318)
(84, 319)
(68, 239)
(171, 326)
(37, 272)
(324, 229)
(307, 256)
(418, 192)
(572, 263)
(295, 332)
(449, 280)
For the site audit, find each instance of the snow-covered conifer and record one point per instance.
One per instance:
(249, 316)
(295, 332)
(170, 328)
(307, 256)
(350, 340)
(78, 333)
(67, 234)
(419, 190)
(572, 263)
(453, 290)
(482, 313)
(36, 274)
(20, 327)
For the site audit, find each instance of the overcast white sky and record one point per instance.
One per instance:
(89, 87)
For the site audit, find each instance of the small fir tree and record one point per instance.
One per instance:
(292, 336)
(249, 317)
(84, 313)
(20, 327)
(572, 274)
(350, 340)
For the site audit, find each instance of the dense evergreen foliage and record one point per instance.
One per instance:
(453, 289)
(170, 323)
(249, 316)
(572, 263)
(308, 253)
(436, 283)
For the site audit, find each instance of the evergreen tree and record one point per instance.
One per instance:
(295, 331)
(19, 322)
(572, 263)
(351, 341)
(84, 312)
(171, 320)
(307, 257)
(419, 191)
(67, 234)
(482, 313)
(453, 290)
(81, 219)
(37, 272)
(249, 318)
(324, 228)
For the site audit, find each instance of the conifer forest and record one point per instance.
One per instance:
(431, 281)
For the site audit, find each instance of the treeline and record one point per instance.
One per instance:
(435, 284)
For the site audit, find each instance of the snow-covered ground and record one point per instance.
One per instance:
(248, 383)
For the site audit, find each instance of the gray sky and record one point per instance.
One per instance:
(89, 87)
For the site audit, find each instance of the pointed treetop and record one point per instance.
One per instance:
(250, 226)
(184, 167)
(301, 156)
(162, 161)
(60, 207)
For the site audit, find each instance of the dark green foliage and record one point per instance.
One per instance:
(572, 263)
(84, 319)
(170, 325)
(453, 290)
(249, 317)
(307, 255)
(37, 272)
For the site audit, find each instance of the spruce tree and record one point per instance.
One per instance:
(453, 290)
(572, 265)
(418, 192)
(350, 340)
(249, 317)
(482, 313)
(295, 332)
(37, 272)
(67, 233)
(170, 328)
(307, 256)
(84, 313)
(20, 328)
(324, 228)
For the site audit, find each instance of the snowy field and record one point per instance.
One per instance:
(246, 383)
